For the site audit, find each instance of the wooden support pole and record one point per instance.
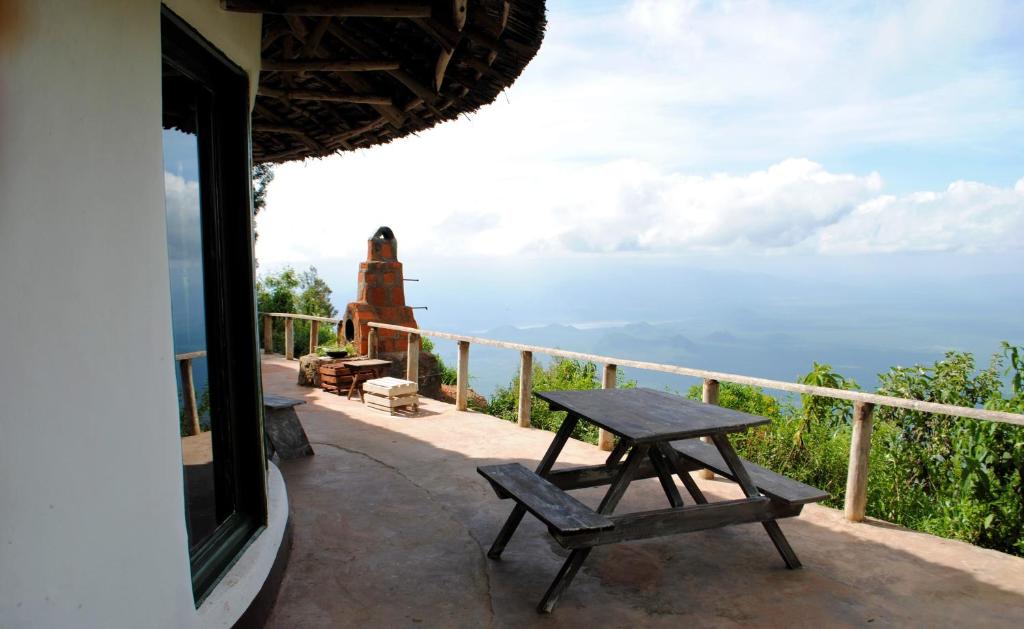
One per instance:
(289, 338)
(525, 385)
(268, 334)
(340, 334)
(857, 475)
(314, 336)
(412, 363)
(371, 343)
(188, 394)
(605, 439)
(709, 395)
(462, 384)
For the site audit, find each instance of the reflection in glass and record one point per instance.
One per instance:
(188, 313)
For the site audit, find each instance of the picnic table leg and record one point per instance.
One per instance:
(743, 478)
(665, 476)
(691, 485)
(514, 518)
(608, 504)
(617, 452)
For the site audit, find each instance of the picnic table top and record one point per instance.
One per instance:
(646, 415)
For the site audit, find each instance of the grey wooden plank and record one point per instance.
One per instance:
(674, 521)
(551, 505)
(646, 416)
(279, 401)
(770, 483)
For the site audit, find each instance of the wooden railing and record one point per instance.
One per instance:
(289, 331)
(188, 389)
(864, 403)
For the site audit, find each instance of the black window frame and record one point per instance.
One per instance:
(225, 193)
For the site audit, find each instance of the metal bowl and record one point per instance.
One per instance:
(338, 353)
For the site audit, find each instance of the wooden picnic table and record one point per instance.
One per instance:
(658, 436)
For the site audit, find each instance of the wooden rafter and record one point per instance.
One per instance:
(330, 65)
(324, 95)
(336, 8)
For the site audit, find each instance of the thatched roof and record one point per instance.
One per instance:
(340, 75)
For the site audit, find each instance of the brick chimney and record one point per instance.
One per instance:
(381, 297)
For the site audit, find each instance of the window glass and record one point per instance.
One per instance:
(188, 312)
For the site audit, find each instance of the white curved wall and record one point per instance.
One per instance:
(92, 532)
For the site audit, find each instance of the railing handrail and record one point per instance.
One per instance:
(190, 355)
(305, 317)
(793, 387)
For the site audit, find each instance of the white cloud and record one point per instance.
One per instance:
(624, 205)
(965, 217)
(612, 138)
(181, 197)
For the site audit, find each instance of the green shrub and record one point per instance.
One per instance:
(561, 374)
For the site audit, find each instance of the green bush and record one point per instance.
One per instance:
(560, 374)
(298, 293)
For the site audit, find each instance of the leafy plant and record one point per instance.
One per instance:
(560, 374)
(299, 293)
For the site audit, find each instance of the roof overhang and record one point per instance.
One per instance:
(340, 75)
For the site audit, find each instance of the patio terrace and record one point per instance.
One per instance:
(391, 523)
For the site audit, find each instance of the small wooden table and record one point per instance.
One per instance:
(658, 436)
(353, 372)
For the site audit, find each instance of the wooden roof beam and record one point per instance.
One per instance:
(332, 8)
(329, 65)
(325, 95)
(403, 77)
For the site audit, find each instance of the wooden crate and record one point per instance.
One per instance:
(335, 378)
(390, 394)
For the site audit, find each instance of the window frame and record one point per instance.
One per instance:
(225, 193)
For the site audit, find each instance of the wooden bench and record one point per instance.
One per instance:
(552, 506)
(771, 484)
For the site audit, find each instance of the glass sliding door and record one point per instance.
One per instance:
(209, 245)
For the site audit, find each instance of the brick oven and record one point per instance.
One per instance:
(380, 298)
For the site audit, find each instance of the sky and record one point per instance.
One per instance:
(666, 128)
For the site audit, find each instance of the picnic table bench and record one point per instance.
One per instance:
(658, 436)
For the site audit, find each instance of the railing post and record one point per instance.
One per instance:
(188, 392)
(412, 362)
(605, 439)
(709, 395)
(289, 339)
(314, 336)
(525, 385)
(371, 343)
(857, 474)
(462, 384)
(268, 334)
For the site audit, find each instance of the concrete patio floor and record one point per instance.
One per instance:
(391, 525)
